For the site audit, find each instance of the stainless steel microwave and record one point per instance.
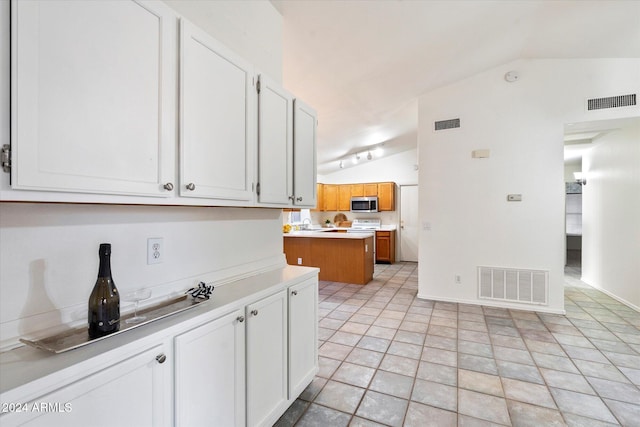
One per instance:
(364, 204)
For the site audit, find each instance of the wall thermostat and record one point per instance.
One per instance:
(512, 76)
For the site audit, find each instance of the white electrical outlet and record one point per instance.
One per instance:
(299, 261)
(458, 279)
(155, 250)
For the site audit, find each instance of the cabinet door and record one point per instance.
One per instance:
(93, 96)
(217, 134)
(330, 197)
(383, 246)
(133, 392)
(386, 196)
(370, 190)
(209, 374)
(303, 336)
(320, 198)
(266, 359)
(275, 144)
(304, 154)
(357, 190)
(344, 197)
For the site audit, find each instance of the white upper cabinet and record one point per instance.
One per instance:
(217, 120)
(304, 155)
(98, 88)
(286, 148)
(275, 142)
(93, 96)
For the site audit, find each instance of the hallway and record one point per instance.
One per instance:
(388, 358)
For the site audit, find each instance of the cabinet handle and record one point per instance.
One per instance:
(191, 186)
(291, 198)
(299, 199)
(168, 186)
(294, 293)
(240, 319)
(161, 358)
(254, 312)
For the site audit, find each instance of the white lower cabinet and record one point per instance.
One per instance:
(266, 359)
(209, 373)
(243, 368)
(133, 392)
(303, 336)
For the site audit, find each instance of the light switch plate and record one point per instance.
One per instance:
(514, 197)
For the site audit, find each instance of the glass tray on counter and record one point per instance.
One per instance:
(79, 337)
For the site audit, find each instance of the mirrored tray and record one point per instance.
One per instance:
(79, 337)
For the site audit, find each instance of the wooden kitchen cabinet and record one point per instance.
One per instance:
(133, 391)
(386, 246)
(267, 361)
(210, 373)
(339, 260)
(217, 104)
(303, 335)
(330, 197)
(370, 190)
(386, 196)
(357, 190)
(319, 198)
(93, 113)
(344, 197)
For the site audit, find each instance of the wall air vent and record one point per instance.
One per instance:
(513, 285)
(611, 102)
(447, 124)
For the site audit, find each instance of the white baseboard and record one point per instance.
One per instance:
(523, 307)
(612, 295)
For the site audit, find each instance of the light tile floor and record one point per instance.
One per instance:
(389, 358)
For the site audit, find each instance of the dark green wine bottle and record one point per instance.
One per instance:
(104, 302)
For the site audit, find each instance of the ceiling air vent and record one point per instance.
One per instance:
(611, 102)
(447, 124)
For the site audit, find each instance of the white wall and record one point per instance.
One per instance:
(522, 123)
(611, 215)
(48, 252)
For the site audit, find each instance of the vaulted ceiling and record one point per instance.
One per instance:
(363, 64)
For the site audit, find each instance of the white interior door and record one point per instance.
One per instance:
(409, 223)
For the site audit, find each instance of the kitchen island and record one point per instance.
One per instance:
(341, 257)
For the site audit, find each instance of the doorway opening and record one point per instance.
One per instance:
(409, 223)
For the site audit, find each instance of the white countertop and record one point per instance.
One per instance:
(26, 364)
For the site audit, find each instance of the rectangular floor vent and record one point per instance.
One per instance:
(447, 124)
(514, 285)
(611, 102)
